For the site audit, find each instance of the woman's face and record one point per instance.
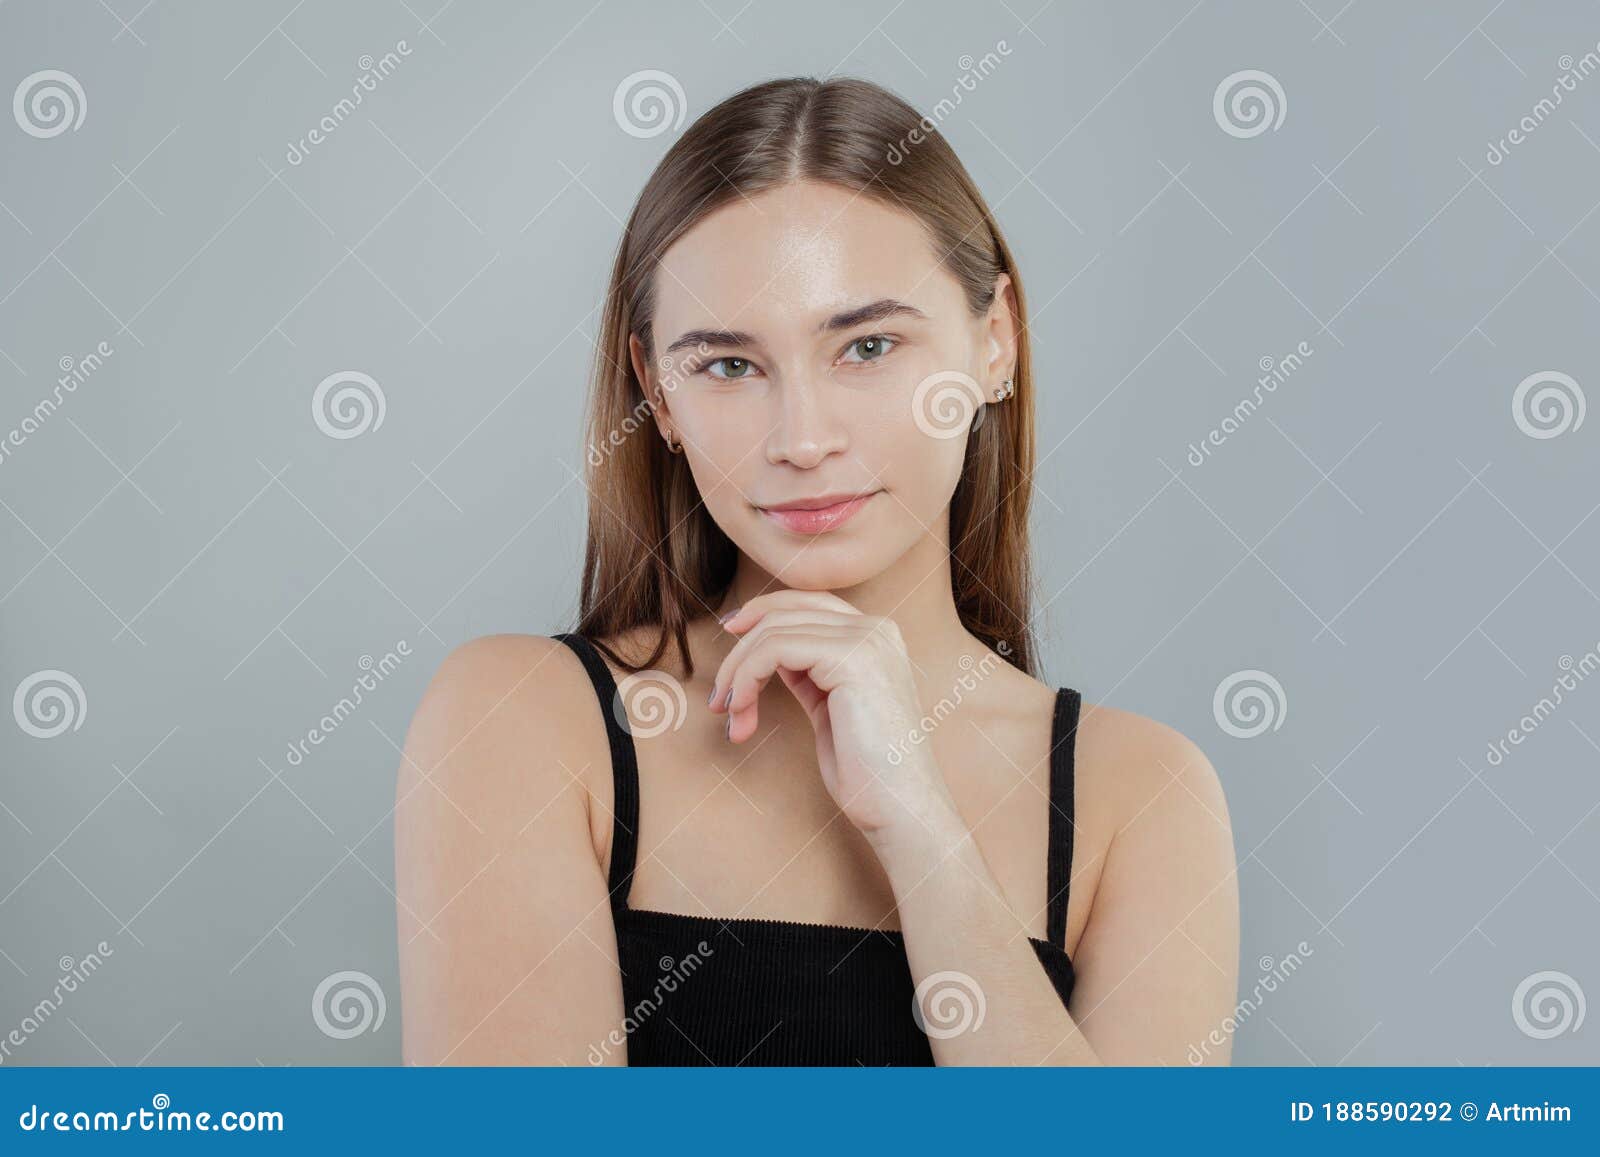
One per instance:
(821, 369)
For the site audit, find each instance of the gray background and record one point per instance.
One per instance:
(1380, 536)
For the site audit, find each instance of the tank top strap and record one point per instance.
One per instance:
(624, 769)
(1063, 795)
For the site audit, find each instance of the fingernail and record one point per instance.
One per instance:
(724, 619)
(727, 729)
(728, 699)
(711, 699)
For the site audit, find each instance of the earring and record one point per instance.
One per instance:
(1004, 390)
(673, 446)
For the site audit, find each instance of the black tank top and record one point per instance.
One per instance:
(710, 990)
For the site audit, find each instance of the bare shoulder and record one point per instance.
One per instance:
(1151, 808)
(493, 816)
(1158, 956)
(1142, 757)
(500, 724)
(1159, 821)
(529, 668)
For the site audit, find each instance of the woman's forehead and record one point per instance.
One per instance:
(793, 255)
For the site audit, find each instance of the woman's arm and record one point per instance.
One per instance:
(507, 950)
(982, 996)
(1157, 963)
(1156, 967)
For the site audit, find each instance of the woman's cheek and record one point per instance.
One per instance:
(931, 466)
(724, 436)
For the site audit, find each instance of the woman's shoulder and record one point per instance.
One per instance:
(1121, 760)
(496, 691)
(509, 730)
(1148, 771)
(1131, 738)
(486, 675)
(501, 707)
(1125, 758)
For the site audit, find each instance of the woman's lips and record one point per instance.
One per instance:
(816, 519)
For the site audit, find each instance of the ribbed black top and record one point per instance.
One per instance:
(709, 990)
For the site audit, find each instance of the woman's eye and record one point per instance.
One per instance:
(869, 349)
(730, 368)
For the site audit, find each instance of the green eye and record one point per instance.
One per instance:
(731, 368)
(870, 348)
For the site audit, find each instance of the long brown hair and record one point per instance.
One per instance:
(655, 558)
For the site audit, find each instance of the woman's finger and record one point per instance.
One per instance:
(788, 599)
(809, 650)
(768, 621)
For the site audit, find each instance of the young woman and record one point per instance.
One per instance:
(791, 792)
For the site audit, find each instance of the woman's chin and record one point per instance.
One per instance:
(822, 566)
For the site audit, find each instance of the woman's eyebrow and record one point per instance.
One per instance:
(711, 337)
(876, 311)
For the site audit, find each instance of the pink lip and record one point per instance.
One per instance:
(816, 516)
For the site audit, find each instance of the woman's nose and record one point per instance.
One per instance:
(806, 430)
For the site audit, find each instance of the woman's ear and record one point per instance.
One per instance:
(649, 382)
(1000, 328)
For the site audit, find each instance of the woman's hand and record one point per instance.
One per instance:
(852, 675)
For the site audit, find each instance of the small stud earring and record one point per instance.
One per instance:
(1004, 390)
